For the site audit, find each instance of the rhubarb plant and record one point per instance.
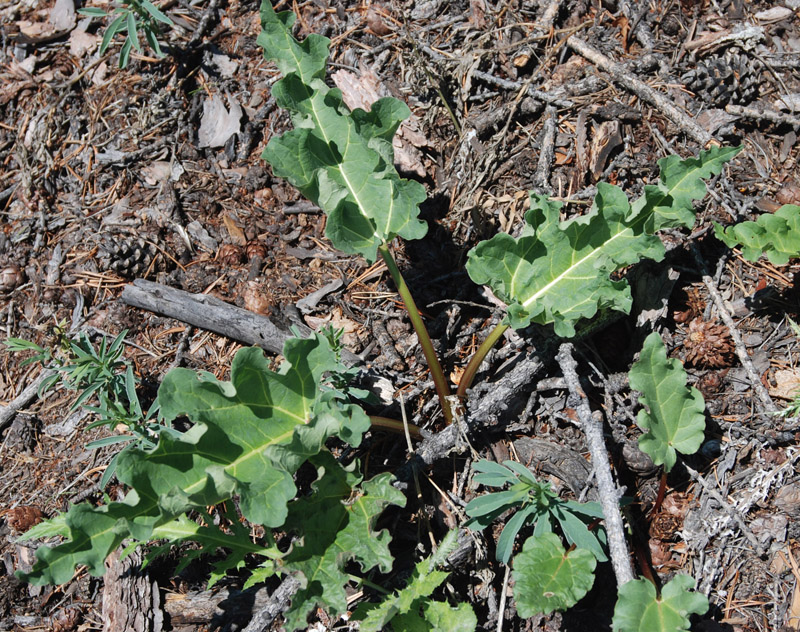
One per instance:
(248, 438)
(641, 609)
(775, 234)
(235, 465)
(674, 417)
(560, 272)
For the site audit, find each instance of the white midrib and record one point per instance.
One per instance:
(558, 279)
(347, 181)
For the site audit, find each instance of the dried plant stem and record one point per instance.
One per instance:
(399, 427)
(23, 399)
(609, 498)
(439, 379)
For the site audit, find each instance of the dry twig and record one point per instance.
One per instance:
(618, 73)
(767, 405)
(608, 491)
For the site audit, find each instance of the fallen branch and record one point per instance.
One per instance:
(278, 602)
(641, 90)
(212, 314)
(608, 492)
(762, 113)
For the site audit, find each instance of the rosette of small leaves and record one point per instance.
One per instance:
(775, 234)
(641, 609)
(412, 607)
(103, 373)
(249, 436)
(340, 159)
(674, 418)
(130, 17)
(534, 502)
(562, 271)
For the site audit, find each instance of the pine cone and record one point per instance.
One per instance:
(230, 254)
(127, 255)
(22, 518)
(722, 80)
(708, 345)
(255, 248)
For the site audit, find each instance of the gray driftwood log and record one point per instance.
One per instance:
(212, 314)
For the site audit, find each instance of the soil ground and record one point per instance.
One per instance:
(154, 171)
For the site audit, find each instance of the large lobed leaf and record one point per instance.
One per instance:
(336, 529)
(559, 272)
(339, 159)
(776, 234)
(548, 577)
(640, 609)
(249, 436)
(675, 419)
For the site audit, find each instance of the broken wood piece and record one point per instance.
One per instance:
(212, 314)
(621, 76)
(131, 599)
(208, 609)
(608, 492)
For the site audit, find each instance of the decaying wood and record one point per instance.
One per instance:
(207, 312)
(213, 314)
(131, 600)
(208, 608)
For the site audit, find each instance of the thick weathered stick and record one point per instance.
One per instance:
(212, 314)
(207, 312)
(609, 498)
(641, 90)
(278, 603)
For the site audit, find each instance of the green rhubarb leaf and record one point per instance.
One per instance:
(341, 160)
(237, 426)
(548, 578)
(338, 525)
(640, 609)
(561, 271)
(675, 417)
(411, 607)
(775, 234)
(445, 618)
(669, 203)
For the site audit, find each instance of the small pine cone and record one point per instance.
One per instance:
(664, 526)
(708, 345)
(230, 254)
(22, 518)
(127, 255)
(722, 80)
(255, 248)
(11, 277)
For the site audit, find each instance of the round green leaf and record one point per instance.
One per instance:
(639, 609)
(548, 578)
